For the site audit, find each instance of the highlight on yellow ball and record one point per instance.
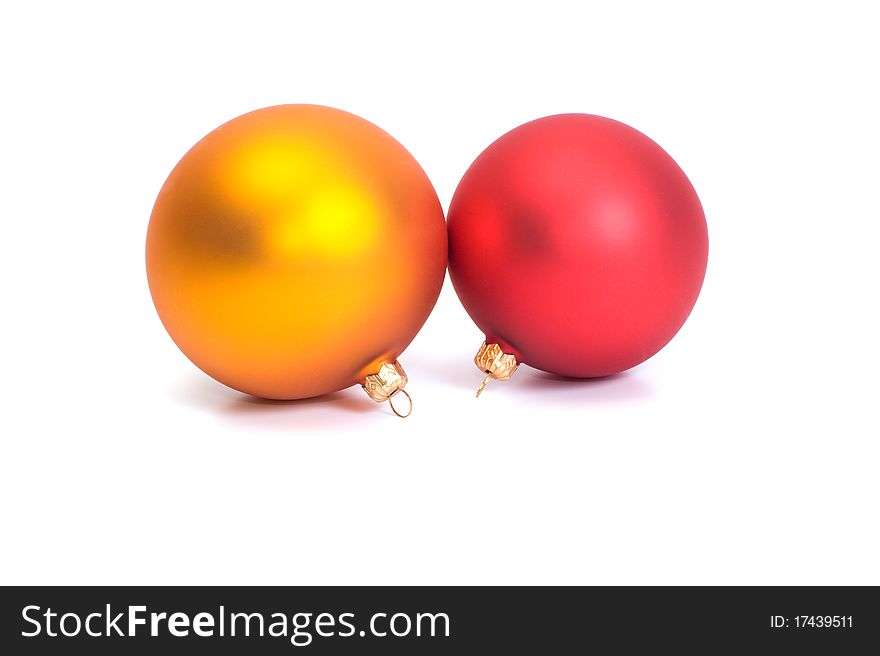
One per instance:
(295, 251)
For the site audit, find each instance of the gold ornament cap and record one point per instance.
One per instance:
(386, 384)
(495, 363)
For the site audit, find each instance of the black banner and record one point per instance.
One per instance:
(444, 620)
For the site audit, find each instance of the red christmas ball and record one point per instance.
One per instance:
(577, 245)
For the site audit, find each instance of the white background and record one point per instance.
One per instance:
(745, 452)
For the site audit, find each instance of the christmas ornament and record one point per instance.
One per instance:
(577, 245)
(295, 251)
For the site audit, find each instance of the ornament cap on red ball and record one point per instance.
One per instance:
(495, 363)
(577, 245)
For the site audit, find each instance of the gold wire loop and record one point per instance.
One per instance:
(483, 385)
(391, 403)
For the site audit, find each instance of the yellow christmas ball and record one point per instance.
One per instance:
(295, 251)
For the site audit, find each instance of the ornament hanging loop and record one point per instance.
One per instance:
(385, 384)
(395, 410)
(483, 385)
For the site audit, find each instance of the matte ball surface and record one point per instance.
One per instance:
(577, 244)
(294, 250)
